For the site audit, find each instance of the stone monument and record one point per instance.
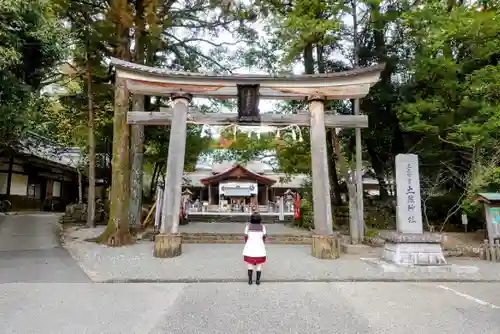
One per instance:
(409, 246)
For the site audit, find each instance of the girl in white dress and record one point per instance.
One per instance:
(254, 252)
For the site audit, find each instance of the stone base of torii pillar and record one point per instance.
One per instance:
(326, 246)
(167, 245)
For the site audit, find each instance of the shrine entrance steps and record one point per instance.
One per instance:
(227, 233)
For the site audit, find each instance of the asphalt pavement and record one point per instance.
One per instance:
(30, 251)
(151, 308)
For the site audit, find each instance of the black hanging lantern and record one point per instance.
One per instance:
(248, 103)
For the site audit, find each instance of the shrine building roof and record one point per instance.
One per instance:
(237, 172)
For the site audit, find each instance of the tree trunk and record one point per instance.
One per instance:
(154, 177)
(309, 59)
(353, 208)
(336, 199)
(378, 168)
(80, 186)
(92, 148)
(337, 192)
(137, 131)
(117, 231)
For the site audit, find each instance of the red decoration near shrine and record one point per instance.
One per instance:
(296, 207)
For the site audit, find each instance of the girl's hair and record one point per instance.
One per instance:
(255, 218)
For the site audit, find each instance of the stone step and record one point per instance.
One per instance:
(236, 238)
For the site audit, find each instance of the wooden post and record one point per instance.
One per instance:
(325, 244)
(487, 250)
(169, 242)
(137, 154)
(209, 194)
(159, 201)
(266, 195)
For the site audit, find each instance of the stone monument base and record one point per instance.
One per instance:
(429, 271)
(167, 245)
(413, 249)
(326, 246)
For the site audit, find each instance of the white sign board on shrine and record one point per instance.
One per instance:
(409, 209)
(238, 188)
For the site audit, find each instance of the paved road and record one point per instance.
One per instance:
(238, 308)
(30, 251)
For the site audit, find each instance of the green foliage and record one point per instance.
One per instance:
(305, 22)
(242, 146)
(457, 72)
(31, 44)
(294, 157)
(451, 106)
(157, 141)
(94, 25)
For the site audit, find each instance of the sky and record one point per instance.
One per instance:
(265, 106)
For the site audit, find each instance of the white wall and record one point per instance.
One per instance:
(19, 185)
(56, 189)
(3, 183)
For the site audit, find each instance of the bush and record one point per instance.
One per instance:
(380, 218)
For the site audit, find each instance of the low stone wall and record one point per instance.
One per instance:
(75, 213)
(235, 238)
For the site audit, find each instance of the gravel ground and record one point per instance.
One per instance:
(223, 262)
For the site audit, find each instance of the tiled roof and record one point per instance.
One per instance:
(43, 148)
(241, 77)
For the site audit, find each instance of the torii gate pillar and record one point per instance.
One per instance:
(326, 244)
(169, 242)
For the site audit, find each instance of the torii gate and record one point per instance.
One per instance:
(248, 89)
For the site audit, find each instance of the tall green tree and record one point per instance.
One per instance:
(451, 105)
(171, 34)
(31, 44)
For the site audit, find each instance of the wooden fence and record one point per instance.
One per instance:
(489, 251)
